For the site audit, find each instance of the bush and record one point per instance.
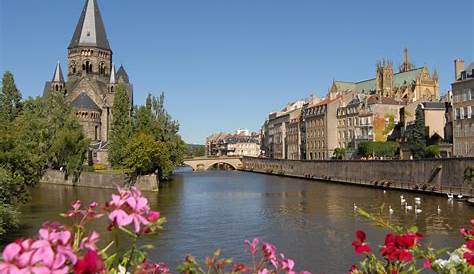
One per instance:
(100, 167)
(432, 151)
(378, 149)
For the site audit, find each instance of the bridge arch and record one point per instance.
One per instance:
(204, 163)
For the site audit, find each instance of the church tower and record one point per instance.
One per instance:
(384, 78)
(89, 52)
(57, 83)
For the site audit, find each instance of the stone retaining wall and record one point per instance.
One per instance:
(100, 180)
(437, 175)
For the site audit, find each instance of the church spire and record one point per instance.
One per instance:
(406, 65)
(112, 75)
(90, 30)
(58, 74)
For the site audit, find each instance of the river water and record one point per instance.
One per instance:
(312, 222)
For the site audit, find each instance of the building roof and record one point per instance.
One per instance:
(113, 78)
(85, 102)
(90, 30)
(58, 74)
(367, 86)
(376, 99)
(122, 74)
(434, 105)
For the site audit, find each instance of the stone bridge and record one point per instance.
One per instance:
(204, 163)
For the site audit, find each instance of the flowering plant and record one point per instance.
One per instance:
(62, 249)
(402, 252)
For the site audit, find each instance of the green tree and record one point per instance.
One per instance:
(121, 126)
(339, 153)
(378, 149)
(432, 151)
(417, 135)
(10, 98)
(141, 154)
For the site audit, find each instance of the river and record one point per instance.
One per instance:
(311, 222)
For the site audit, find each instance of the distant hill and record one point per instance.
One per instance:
(193, 150)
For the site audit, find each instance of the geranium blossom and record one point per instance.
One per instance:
(130, 207)
(360, 245)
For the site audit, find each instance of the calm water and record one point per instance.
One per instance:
(309, 221)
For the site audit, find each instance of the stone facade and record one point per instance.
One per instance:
(463, 109)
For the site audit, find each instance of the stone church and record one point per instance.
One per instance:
(91, 76)
(409, 84)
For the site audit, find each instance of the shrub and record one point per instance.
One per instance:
(100, 167)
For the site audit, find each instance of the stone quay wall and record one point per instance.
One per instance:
(431, 175)
(100, 180)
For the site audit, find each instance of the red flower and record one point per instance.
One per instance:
(397, 247)
(91, 264)
(359, 245)
(353, 269)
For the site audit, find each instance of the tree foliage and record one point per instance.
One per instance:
(378, 149)
(417, 135)
(121, 126)
(10, 98)
(153, 143)
(339, 153)
(38, 133)
(432, 151)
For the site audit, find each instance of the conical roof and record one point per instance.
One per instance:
(112, 75)
(90, 30)
(85, 102)
(58, 74)
(122, 74)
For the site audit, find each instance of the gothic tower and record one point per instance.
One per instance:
(89, 51)
(384, 78)
(406, 65)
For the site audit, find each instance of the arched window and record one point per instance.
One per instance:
(57, 87)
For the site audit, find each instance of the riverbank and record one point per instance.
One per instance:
(432, 176)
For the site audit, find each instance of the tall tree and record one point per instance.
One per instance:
(417, 136)
(10, 98)
(121, 126)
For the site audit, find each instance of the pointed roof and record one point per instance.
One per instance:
(58, 74)
(90, 30)
(112, 75)
(121, 73)
(85, 102)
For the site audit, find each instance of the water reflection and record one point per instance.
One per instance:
(310, 221)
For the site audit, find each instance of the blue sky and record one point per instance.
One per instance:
(225, 64)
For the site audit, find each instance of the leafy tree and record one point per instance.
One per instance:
(417, 135)
(10, 98)
(141, 153)
(339, 153)
(432, 151)
(121, 126)
(379, 149)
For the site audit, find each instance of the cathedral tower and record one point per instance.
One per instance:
(89, 51)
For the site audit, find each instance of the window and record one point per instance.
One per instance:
(461, 113)
(468, 110)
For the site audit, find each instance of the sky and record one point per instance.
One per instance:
(225, 64)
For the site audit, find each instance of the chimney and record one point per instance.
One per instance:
(458, 67)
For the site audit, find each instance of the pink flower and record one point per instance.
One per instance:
(129, 206)
(252, 246)
(264, 271)
(426, 264)
(90, 241)
(153, 216)
(269, 251)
